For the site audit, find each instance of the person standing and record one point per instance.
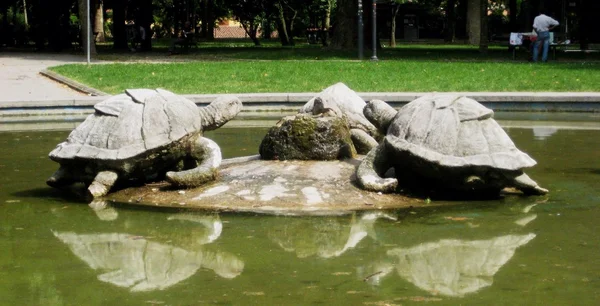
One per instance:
(542, 25)
(185, 38)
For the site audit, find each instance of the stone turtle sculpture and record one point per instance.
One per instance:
(340, 101)
(143, 135)
(444, 143)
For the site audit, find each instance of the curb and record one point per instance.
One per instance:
(72, 83)
(497, 101)
(266, 102)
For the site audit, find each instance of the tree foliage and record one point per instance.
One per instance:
(57, 24)
(250, 14)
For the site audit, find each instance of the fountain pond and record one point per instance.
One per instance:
(55, 250)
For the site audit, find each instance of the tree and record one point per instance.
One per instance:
(142, 12)
(396, 4)
(99, 20)
(345, 27)
(477, 24)
(512, 15)
(286, 12)
(208, 19)
(587, 23)
(119, 32)
(450, 31)
(250, 14)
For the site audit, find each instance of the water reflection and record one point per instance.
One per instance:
(450, 267)
(325, 237)
(543, 132)
(140, 264)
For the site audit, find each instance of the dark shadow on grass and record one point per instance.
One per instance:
(240, 49)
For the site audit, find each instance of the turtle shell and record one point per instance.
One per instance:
(130, 124)
(454, 131)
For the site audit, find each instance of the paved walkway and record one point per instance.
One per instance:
(20, 79)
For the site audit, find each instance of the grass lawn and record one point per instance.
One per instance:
(236, 67)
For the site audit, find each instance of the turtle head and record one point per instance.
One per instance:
(219, 112)
(380, 114)
(326, 107)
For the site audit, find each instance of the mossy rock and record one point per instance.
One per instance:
(307, 137)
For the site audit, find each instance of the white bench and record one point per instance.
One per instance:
(516, 40)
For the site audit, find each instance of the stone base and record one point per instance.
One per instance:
(273, 187)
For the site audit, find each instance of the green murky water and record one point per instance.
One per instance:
(55, 250)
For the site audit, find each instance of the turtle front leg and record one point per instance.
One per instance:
(62, 177)
(363, 142)
(528, 186)
(370, 171)
(102, 183)
(207, 155)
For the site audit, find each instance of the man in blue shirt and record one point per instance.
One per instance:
(542, 25)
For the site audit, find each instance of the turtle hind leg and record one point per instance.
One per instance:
(102, 183)
(207, 155)
(528, 186)
(61, 178)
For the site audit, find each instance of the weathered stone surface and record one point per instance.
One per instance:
(140, 135)
(274, 187)
(308, 137)
(339, 100)
(444, 143)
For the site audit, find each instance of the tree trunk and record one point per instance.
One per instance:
(119, 32)
(483, 36)
(449, 36)
(85, 25)
(267, 29)
(211, 20)
(290, 27)
(282, 25)
(460, 27)
(586, 23)
(99, 21)
(204, 28)
(395, 11)
(25, 13)
(285, 19)
(4, 12)
(345, 27)
(145, 19)
(251, 29)
(512, 15)
(326, 24)
(474, 21)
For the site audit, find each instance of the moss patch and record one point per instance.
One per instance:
(307, 137)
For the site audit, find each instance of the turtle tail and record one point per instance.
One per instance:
(219, 112)
(371, 170)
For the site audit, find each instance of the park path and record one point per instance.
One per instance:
(20, 79)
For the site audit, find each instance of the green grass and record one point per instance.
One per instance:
(237, 67)
(311, 76)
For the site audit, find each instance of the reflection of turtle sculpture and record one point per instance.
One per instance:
(141, 264)
(142, 135)
(340, 101)
(325, 237)
(451, 267)
(445, 143)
